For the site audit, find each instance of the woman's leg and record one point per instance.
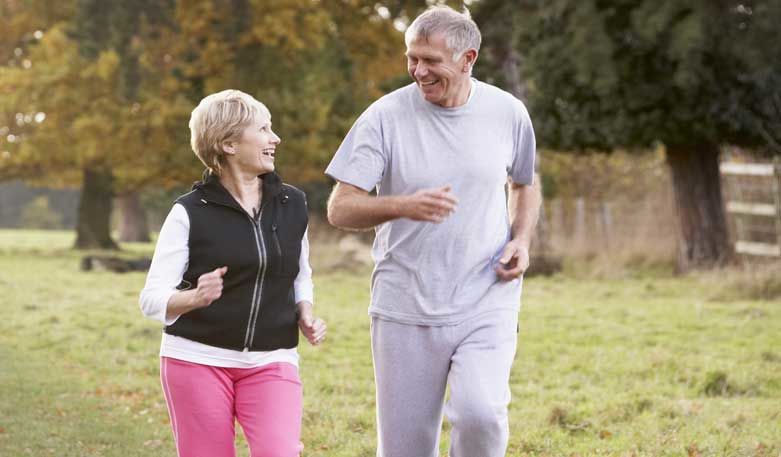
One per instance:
(200, 405)
(268, 407)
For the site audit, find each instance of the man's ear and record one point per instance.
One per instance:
(470, 57)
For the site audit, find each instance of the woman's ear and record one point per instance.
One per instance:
(228, 147)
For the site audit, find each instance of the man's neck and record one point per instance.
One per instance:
(462, 94)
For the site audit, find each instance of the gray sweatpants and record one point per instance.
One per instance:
(413, 365)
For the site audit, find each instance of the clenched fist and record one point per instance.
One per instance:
(209, 287)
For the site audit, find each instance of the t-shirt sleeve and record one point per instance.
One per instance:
(361, 159)
(524, 148)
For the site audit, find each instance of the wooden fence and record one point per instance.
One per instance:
(752, 195)
(576, 227)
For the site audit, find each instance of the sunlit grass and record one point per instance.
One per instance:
(634, 365)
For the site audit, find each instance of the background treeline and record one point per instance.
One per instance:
(95, 94)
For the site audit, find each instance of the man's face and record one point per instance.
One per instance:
(440, 79)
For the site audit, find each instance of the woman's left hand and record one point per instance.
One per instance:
(313, 328)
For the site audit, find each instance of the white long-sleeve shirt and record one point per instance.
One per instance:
(169, 264)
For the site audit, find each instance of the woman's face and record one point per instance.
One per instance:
(255, 150)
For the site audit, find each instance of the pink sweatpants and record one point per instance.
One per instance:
(204, 400)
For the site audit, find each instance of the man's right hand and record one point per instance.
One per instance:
(209, 287)
(429, 205)
(351, 207)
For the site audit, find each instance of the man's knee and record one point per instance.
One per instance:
(480, 418)
(403, 440)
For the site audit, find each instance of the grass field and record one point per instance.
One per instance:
(630, 366)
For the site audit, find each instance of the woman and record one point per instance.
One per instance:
(231, 281)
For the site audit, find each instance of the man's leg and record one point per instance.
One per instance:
(479, 385)
(410, 370)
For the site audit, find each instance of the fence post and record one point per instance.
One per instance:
(777, 197)
(557, 221)
(580, 222)
(606, 219)
(542, 233)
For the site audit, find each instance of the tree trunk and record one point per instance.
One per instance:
(132, 225)
(702, 226)
(93, 225)
(511, 69)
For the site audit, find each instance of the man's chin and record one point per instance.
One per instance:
(431, 96)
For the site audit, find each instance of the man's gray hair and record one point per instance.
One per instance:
(460, 31)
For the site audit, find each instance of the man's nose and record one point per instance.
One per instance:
(420, 71)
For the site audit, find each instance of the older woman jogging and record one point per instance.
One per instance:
(230, 280)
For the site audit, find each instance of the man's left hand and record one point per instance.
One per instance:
(514, 261)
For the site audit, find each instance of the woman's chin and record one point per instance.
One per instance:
(265, 168)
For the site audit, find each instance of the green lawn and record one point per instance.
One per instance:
(638, 366)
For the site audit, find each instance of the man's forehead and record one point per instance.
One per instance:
(429, 45)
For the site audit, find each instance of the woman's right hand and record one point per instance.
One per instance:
(209, 288)
(183, 301)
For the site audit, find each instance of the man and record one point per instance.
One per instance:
(447, 282)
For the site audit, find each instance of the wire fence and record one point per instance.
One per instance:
(583, 227)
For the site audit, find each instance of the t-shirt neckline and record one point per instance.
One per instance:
(451, 110)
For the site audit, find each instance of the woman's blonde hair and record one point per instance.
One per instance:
(218, 118)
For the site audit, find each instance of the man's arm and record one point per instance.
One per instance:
(351, 207)
(524, 210)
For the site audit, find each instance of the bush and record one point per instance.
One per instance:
(38, 215)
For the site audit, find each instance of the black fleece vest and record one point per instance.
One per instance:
(257, 309)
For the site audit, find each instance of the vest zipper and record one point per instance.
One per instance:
(276, 240)
(257, 293)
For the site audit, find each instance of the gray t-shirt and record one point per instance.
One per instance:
(440, 274)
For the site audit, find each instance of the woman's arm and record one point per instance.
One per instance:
(169, 263)
(314, 329)
(160, 300)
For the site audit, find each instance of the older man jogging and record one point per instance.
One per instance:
(449, 254)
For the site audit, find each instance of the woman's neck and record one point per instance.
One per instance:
(245, 188)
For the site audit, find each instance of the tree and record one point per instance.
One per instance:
(98, 97)
(121, 26)
(98, 108)
(633, 73)
(316, 65)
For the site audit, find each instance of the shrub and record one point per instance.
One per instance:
(38, 215)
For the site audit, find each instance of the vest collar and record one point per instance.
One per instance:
(214, 191)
